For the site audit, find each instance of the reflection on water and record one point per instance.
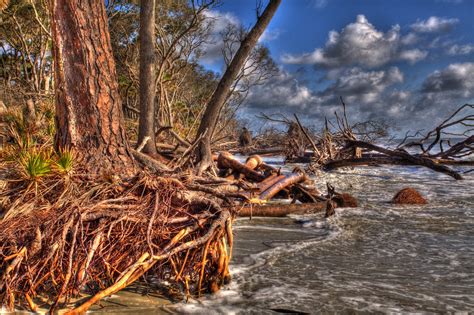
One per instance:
(376, 258)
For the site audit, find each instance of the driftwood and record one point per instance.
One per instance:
(256, 190)
(343, 144)
(280, 210)
(415, 160)
(281, 184)
(269, 181)
(226, 160)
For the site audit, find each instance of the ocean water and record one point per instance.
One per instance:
(376, 258)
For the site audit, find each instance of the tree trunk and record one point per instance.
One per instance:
(88, 106)
(146, 126)
(209, 120)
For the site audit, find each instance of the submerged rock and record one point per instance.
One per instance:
(409, 196)
(345, 200)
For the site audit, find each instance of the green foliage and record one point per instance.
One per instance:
(65, 161)
(35, 164)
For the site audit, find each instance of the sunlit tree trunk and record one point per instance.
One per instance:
(88, 106)
(146, 126)
(209, 120)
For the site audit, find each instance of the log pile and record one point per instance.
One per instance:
(257, 183)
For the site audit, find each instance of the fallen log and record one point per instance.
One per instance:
(253, 162)
(269, 181)
(226, 160)
(283, 183)
(415, 160)
(280, 210)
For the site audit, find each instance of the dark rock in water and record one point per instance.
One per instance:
(409, 196)
(345, 200)
(303, 221)
(287, 311)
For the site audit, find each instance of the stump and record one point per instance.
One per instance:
(409, 196)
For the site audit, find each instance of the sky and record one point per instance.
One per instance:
(407, 62)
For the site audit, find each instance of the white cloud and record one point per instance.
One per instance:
(269, 35)
(360, 44)
(413, 55)
(218, 22)
(368, 95)
(358, 86)
(319, 4)
(461, 50)
(434, 24)
(410, 39)
(281, 91)
(457, 79)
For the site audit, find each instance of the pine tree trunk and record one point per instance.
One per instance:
(209, 120)
(88, 105)
(146, 126)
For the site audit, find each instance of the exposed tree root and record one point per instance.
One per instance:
(97, 238)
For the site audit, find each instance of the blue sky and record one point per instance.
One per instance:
(409, 62)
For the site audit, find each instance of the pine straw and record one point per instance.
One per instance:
(65, 236)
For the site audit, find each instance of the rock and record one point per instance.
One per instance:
(409, 196)
(345, 200)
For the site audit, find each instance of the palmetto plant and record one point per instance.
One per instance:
(65, 161)
(35, 164)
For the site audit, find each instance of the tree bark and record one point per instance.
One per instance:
(146, 125)
(209, 120)
(88, 105)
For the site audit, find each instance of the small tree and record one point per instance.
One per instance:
(218, 99)
(146, 126)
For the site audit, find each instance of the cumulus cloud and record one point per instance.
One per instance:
(413, 55)
(457, 79)
(460, 49)
(218, 23)
(368, 95)
(434, 24)
(410, 39)
(364, 90)
(281, 91)
(360, 44)
(358, 86)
